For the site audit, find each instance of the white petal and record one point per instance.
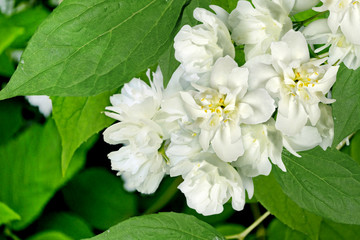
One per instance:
(227, 143)
(261, 104)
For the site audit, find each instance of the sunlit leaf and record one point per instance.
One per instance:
(88, 47)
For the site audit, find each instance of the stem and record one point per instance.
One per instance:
(299, 24)
(7, 232)
(165, 198)
(242, 235)
(344, 141)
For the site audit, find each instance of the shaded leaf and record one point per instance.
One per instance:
(99, 197)
(161, 226)
(279, 231)
(11, 119)
(30, 171)
(6, 66)
(88, 47)
(336, 231)
(271, 196)
(7, 214)
(53, 235)
(67, 223)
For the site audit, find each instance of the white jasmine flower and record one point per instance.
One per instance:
(321, 134)
(218, 110)
(341, 50)
(209, 183)
(344, 14)
(140, 171)
(139, 161)
(197, 48)
(258, 27)
(43, 102)
(261, 142)
(298, 83)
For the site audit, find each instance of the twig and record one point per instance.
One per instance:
(242, 235)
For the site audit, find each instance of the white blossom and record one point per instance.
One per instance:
(258, 27)
(341, 50)
(197, 48)
(344, 14)
(43, 102)
(297, 82)
(219, 109)
(138, 162)
(209, 183)
(261, 142)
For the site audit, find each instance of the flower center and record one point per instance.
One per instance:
(213, 104)
(305, 77)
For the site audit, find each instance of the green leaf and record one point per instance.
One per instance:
(30, 171)
(336, 231)
(7, 67)
(29, 20)
(230, 229)
(279, 231)
(11, 119)
(99, 197)
(67, 223)
(326, 183)
(270, 195)
(8, 33)
(228, 5)
(77, 119)
(53, 235)
(7, 214)
(161, 226)
(355, 147)
(88, 47)
(346, 111)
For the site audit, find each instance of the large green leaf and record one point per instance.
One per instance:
(30, 170)
(88, 47)
(7, 214)
(326, 183)
(346, 109)
(99, 197)
(270, 195)
(161, 226)
(77, 119)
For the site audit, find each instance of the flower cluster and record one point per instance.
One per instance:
(218, 124)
